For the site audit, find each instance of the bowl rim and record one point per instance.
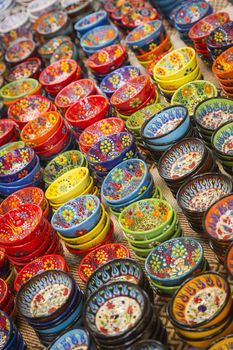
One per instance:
(77, 328)
(215, 342)
(210, 36)
(153, 22)
(21, 64)
(34, 86)
(214, 135)
(16, 42)
(99, 46)
(77, 24)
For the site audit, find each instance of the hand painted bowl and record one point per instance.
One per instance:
(39, 129)
(191, 12)
(112, 5)
(96, 131)
(6, 328)
(44, 263)
(222, 139)
(68, 186)
(101, 256)
(148, 345)
(66, 50)
(223, 65)
(138, 16)
(18, 89)
(146, 218)
(107, 59)
(50, 24)
(19, 51)
(166, 126)
(206, 311)
(73, 92)
(117, 78)
(175, 64)
(99, 37)
(28, 108)
(132, 94)
(124, 182)
(56, 286)
(122, 269)
(78, 337)
(222, 343)
(7, 128)
(220, 38)
(61, 164)
(197, 194)
(111, 150)
(27, 69)
(11, 146)
(47, 49)
(171, 262)
(87, 111)
(191, 94)
(93, 20)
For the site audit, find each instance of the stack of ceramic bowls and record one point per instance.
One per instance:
(37, 9)
(98, 38)
(7, 272)
(185, 158)
(19, 168)
(220, 343)
(7, 301)
(127, 183)
(86, 23)
(96, 131)
(220, 39)
(19, 51)
(30, 68)
(110, 151)
(188, 14)
(28, 108)
(125, 269)
(147, 223)
(200, 32)
(208, 295)
(73, 92)
(223, 70)
(223, 146)
(47, 50)
(166, 6)
(12, 338)
(44, 263)
(175, 69)
(63, 310)
(137, 93)
(172, 262)
(114, 80)
(66, 50)
(217, 225)
(28, 195)
(106, 60)
(197, 194)
(137, 319)
(25, 234)
(86, 112)
(11, 146)
(71, 184)
(61, 164)
(165, 128)
(47, 135)
(211, 114)
(78, 337)
(9, 131)
(136, 16)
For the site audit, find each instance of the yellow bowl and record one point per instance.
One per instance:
(145, 63)
(68, 186)
(89, 235)
(175, 64)
(92, 243)
(89, 188)
(223, 343)
(176, 83)
(114, 212)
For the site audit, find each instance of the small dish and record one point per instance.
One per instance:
(19, 88)
(91, 21)
(138, 16)
(50, 23)
(20, 50)
(30, 68)
(78, 337)
(99, 37)
(192, 12)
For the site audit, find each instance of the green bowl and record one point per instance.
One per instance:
(143, 253)
(11, 146)
(18, 89)
(147, 218)
(164, 290)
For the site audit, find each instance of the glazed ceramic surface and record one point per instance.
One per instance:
(193, 93)
(6, 329)
(221, 36)
(229, 260)
(75, 339)
(18, 88)
(24, 70)
(16, 164)
(50, 46)
(224, 343)
(192, 12)
(106, 56)
(51, 22)
(223, 138)
(100, 37)
(138, 16)
(224, 63)
(20, 50)
(66, 50)
(58, 72)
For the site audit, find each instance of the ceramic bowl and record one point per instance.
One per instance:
(47, 49)
(198, 193)
(117, 78)
(183, 62)
(28, 108)
(7, 129)
(100, 256)
(146, 219)
(191, 94)
(172, 261)
(19, 88)
(148, 345)
(220, 39)
(91, 21)
(159, 129)
(132, 94)
(19, 51)
(133, 177)
(30, 68)
(73, 92)
(223, 65)
(11, 146)
(222, 139)
(192, 12)
(39, 129)
(51, 24)
(78, 337)
(224, 342)
(112, 5)
(66, 50)
(138, 16)
(210, 312)
(61, 164)
(228, 261)
(87, 111)
(68, 186)
(99, 37)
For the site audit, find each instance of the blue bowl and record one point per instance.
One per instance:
(91, 21)
(74, 338)
(96, 39)
(78, 216)
(166, 126)
(114, 80)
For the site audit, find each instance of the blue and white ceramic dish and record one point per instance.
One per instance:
(95, 19)
(99, 37)
(78, 338)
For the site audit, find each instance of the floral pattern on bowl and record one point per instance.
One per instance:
(58, 72)
(106, 56)
(50, 22)
(221, 37)
(223, 138)
(6, 329)
(50, 46)
(20, 50)
(100, 37)
(18, 88)
(24, 70)
(17, 162)
(138, 16)
(77, 338)
(66, 50)
(191, 12)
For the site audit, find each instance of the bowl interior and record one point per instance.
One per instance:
(221, 36)
(77, 337)
(58, 72)
(18, 88)
(143, 31)
(106, 56)
(129, 90)
(191, 13)
(224, 62)
(91, 19)
(51, 22)
(16, 161)
(99, 36)
(138, 16)
(222, 139)
(20, 50)
(24, 70)
(50, 46)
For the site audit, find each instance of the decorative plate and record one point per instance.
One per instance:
(20, 50)
(101, 256)
(24, 70)
(139, 16)
(51, 45)
(192, 12)
(50, 23)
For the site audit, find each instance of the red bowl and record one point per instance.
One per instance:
(4, 293)
(87, 111)
(132, 94)
(73, 92)
(30, 68)
(46, 210)
(7, 130)
(56, 148)
(8, 306)
(107, 59)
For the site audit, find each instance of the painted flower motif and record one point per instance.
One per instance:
(61, 160)
(102, 56)
(156, 263)
(133, 73)
(22, 174)
(178, 251)
(64, 66)
(142, 189)
(87, 271)
(51, 169)
(101, 256)
(106, 128)
(52, 118)
(218, 37)
(105, 146)
(114, 79)
(49, 264)
(23, 103)
(152, 46)
(117, 175)
(89, 205)
(128, 155)
(118, 52)
(120, 253)
(67, 215)
(160, 71)
(208, 89)
(88, 138)
(125, 141)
